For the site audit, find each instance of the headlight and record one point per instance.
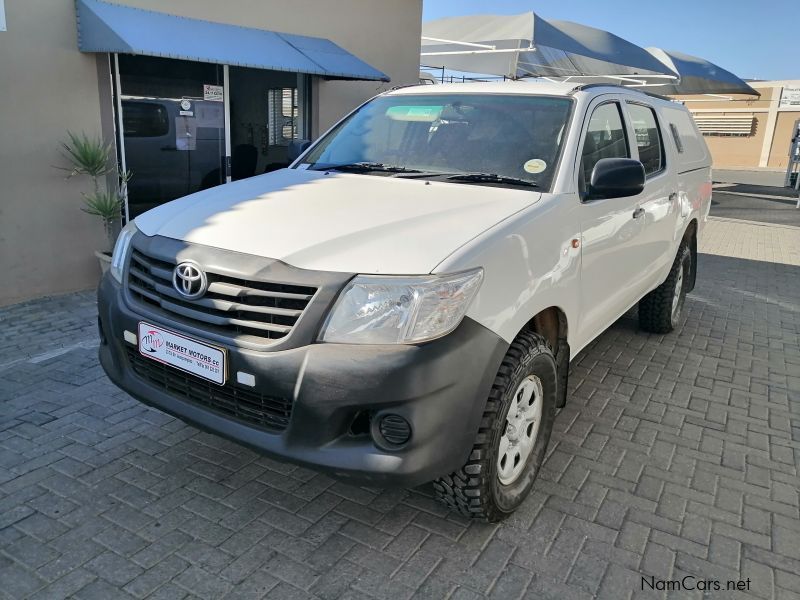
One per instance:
(400, 310)
(121, 250)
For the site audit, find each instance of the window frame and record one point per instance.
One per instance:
(659, 130)
(585, 132)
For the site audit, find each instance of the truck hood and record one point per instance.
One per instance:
(336, 221)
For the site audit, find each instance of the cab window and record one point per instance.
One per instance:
(605, 138)
(648, 137)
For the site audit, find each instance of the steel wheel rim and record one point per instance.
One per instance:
(676, 298)
(521, 430)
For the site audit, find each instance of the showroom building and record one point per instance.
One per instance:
(750, 137)
(191, 93)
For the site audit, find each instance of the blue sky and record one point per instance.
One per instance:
(750, 38)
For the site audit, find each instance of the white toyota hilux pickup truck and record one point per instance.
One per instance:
(401, 304)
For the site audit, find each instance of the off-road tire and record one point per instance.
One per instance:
(655, 309)
(474, 490)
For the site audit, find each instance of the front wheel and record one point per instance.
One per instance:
(660, 311)
(513, 436)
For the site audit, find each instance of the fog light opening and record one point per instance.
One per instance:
(360, 423)
(394, 429)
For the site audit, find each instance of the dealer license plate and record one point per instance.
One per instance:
(182, 352)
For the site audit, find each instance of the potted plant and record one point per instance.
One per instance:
(95, 159)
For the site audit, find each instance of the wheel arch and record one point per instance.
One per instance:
(690, 237)
(553, 325)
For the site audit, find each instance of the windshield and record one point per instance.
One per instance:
(510, 136)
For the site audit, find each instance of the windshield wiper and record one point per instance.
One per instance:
(491, 178)
(366, 167)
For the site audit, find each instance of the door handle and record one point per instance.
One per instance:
(638, 212)
(673, 196)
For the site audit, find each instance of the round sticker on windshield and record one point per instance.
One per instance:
(186, 105)
(535, 165)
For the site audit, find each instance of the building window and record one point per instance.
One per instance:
(725, 125)
(2, 15)
(283, 113)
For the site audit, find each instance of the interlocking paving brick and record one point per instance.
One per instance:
(113, 568)
(675, 455)
(65, 586)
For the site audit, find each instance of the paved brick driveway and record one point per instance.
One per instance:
(675, 455)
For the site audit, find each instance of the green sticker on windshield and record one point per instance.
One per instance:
(414, 113)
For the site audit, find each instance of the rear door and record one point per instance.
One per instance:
(610, 227)
(659, 199)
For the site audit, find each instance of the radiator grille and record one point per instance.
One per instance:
(231, 307)
(249, 406)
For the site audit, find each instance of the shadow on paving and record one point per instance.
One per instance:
(777, 211)
(675, 455)
(767, 190)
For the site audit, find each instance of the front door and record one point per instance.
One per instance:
(610, 228)
(173, 123)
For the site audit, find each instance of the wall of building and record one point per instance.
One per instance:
(46, 242)
(738, 151)
(766, 148)
(779, 152)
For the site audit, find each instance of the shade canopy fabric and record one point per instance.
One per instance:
(105, 27)
(699, 76)
(528, 45)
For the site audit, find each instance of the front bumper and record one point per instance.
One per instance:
(439, 388)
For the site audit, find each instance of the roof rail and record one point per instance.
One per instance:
(586, 86)
(405, 85)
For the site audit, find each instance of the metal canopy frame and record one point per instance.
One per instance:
(793, 168)
(478, 48)
(518, 46)
(459, 43)
(482, 48)
(104, 27)
(632, 81)
(527, 45)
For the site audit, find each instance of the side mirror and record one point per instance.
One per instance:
(616, 178)
(296, 148)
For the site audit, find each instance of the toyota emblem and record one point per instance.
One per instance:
(189, 280)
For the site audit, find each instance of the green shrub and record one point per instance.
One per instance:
(93, 158)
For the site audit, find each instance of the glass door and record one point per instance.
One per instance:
(265, 116)
(173, 125)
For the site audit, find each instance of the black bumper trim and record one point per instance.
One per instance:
(230, 400)
(439, 387)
